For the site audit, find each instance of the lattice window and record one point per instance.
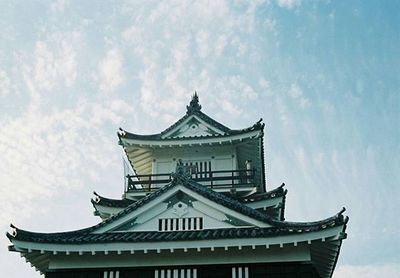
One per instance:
(180, 224)
(240, 272)
(175, 273)
(111, 274)
(203, 168)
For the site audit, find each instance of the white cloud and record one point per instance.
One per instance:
(202, 40)
(180, 52)
(265, 86)
(240, 46)
(109, 71)
(288, 4)
(148, 93)
(67, 64)
(133, 34)
(5, 84)
(231, 108)
(295, 92)
(282, 112)
(389, 270)
(305, 103)
(270, 25)
(178, 43)
(220, 44)
(45, 153)
(56, 61)
(58, 6)
(237, 84)
(45, 70)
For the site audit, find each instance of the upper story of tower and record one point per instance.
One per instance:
(223, 159)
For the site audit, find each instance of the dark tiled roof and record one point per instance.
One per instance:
(277, 192)
(217, 197)
(194, 108)
(114, 203)
(223, 200)
(122, 203)
(278, 227)
(153, 236)
(123, 134)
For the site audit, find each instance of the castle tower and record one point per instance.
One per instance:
(195, 204)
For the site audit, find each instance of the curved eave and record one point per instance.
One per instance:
(105, 207)
(218, 198)
(130, 139)
(75, 237)
(107, 202)
(87, 235)
(324, 243)
(271, 202)
(275, 193)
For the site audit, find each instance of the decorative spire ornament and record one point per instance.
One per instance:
(194, 104)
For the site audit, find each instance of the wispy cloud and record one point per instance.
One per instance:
(184, 60)
(5, 83)
(64, 148)
(368, 271)
(56, 61)
(288, 4)
(70, 76)
(296, 93)
(109, 73)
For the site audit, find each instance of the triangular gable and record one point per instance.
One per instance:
(215, 209)
(183, 212)
(194, 123)
(192, 126)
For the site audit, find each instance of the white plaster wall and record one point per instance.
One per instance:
(232, 255)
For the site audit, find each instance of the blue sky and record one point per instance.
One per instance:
(324, 76)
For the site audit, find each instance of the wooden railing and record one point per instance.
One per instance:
(213, 179)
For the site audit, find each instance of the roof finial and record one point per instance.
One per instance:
(194, 104)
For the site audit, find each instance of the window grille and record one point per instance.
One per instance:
(111, 274)
(180, 224)
(240, 272)
(175, 273)
(203, 168)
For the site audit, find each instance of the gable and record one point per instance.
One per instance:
(180, 209)
(181, 212)
(191, 127)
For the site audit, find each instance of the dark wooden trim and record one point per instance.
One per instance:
(232, 178)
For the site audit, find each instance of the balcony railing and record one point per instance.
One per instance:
(213, 179)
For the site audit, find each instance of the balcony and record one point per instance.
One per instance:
(221, 181)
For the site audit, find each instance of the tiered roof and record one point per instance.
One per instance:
(328, 232)
(257, 219)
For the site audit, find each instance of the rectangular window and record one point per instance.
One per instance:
(201, 169)
(176, 273)
(240, 272)
(111, 274)
(180, 224)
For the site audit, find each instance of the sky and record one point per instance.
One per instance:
(323, 75)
